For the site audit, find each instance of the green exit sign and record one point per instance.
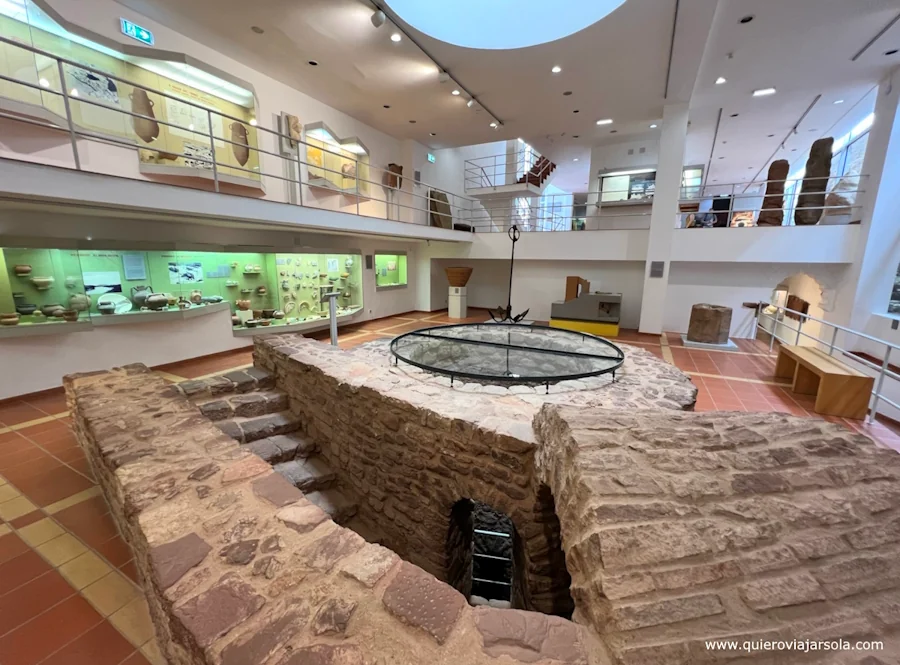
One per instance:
(431, 158)
(135, 31)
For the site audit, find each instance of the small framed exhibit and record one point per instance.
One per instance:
(337, 164)
(390, 271)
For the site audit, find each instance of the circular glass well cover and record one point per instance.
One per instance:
(507, 353)
(501, 24)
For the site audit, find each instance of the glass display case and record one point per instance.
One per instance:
(40, 287)
(110, 286)
(390, 271)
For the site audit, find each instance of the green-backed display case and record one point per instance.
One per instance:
(39, 287)
(390, 271)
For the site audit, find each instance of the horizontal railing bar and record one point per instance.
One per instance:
(483, 581)
(515, 347)
(482, 532)
(491, 556)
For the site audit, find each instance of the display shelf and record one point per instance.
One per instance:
(391, 287)
(206, 174)
(46, 328)
(137, 317)
(299, 326)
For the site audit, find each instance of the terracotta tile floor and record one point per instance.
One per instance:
(68, 592)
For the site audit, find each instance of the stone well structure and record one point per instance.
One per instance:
(662, 528)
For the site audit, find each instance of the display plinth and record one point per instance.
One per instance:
(456, 303)
(728, 345)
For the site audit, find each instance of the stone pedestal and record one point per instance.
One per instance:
(710, 324)
(772, 213)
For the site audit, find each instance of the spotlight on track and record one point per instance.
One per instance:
(378, 18)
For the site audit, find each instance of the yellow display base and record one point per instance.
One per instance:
(592, 328)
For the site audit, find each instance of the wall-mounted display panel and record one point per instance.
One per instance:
(177, 105)
(41, 287)
(337, 164)
(390, 271)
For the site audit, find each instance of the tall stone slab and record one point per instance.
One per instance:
(772, 213)
(815, 183)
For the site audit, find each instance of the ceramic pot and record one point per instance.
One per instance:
(243, 305)
(106, 308)
(258, 268)
(268, 313)
(71, 282)
(9, 315)
(139, 295)
(184, 304)
(53, 310)
(251, 323)
(146, 128)
(264, 322)
(211, 300)
(261, 290)
(231, 283)
(26, 309)
(196, 296)
(240, 144)
(248, 268)
(157, 301)
(42, 283)
(235, 320)
(79, 302)
(171, 300)
(458, 276)
(257, 313)
(9, 319)
(277, 314)
(345, 275)
(69, 315)
(22, 269)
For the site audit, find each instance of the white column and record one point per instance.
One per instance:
(867, 287)
(664, 215)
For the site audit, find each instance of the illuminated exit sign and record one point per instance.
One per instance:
(135, 31)
(431, 158)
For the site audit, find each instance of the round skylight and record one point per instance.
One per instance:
(501, 24)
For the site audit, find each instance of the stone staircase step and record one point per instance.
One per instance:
(307, 475)
(333, 502)
(282, 448)
(245, 405)
(247, 430)
(236, 381)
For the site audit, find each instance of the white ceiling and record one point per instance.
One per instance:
(616, 68)
(804, 50)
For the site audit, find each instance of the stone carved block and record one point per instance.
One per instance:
(772, 213)
(710, 324)
(815, 183)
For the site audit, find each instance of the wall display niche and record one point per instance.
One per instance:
(177, 106)
(40, 288)
(335, 164)
(390, 271)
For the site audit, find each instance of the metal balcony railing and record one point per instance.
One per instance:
(784, 333)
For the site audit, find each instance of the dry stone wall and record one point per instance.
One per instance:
(684, 527)
(240, 569)
(411, 448)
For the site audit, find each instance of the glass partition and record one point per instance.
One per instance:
(390, 271)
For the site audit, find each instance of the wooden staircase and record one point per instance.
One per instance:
(539, 173)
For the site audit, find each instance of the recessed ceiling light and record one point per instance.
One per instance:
(432, 134)
(813, 130)
(771, 136)
(764, 92)
(576, 111)
(253, 122)
(88, 237)
(793, 149)
(735, 115)
(314, 63)
(387, 106)
(412, 122)
(257, 29)
(605, 121)
(750, 167)
(721, 158)
(574, 136)
(721, 80)
(493, 125)
(556, 69)
(893, 51)
(614, 131)
(396, 37)
(747, 19)
(724, 142)
(44, 83)
(455, 93)
(654, 126)
(567, 93)
(575, 160)
(838, 101)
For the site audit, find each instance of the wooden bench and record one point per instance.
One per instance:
(840, 390)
